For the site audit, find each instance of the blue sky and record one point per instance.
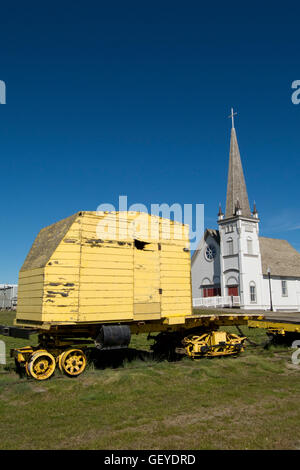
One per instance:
(132, 98)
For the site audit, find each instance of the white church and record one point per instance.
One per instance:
(234, 266)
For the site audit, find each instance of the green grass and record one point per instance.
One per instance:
(248, 402)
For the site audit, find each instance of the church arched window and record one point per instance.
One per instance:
(230, 246)
(252, 292)
(205, 282)
(249, 246)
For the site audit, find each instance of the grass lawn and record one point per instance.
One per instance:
(248, 402)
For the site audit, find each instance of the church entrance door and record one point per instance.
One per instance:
(211, 291)
(233, 290)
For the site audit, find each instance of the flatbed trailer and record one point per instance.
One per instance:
(97, 278)
(279, 325)
(63, 345)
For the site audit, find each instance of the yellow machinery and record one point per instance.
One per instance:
(40, 363)
(280, 327)
(276, 327)
(215, 343)
(198, 336)
(99, 277)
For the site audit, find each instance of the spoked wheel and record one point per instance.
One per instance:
(72, 362)
(41, 365)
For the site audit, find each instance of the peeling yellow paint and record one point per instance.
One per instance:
(73, 274)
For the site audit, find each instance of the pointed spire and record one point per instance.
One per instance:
(254, 212)
(220, 213)
(237, 208)
(236, 186)
(254, 208)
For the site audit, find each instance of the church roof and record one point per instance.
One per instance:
(280, 257)
(215, 234)
(236, 186)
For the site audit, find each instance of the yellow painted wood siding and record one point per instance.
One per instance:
(61, 278)
(30, 294)
(97, 267)
(175, 280)
(146, 279)
(106, 272)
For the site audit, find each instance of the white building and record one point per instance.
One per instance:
(8, 296)
(234, 265)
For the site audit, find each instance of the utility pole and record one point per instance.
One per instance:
(269, 276)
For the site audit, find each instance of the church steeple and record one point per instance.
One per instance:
(239, 235)
(236, 186)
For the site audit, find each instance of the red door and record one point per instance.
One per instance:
(208, 292)
(211, 291)
(233, 291)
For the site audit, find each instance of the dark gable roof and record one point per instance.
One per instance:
(46, 242)
(280, 257)
(215, 234)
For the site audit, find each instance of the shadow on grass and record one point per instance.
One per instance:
(131, 357)
(121, 358)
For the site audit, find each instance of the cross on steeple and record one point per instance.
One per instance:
(232, 117)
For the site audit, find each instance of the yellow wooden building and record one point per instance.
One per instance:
(106, 267)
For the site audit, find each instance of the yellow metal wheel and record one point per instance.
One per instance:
(72, 362)
(41, 365)
(214, 343)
